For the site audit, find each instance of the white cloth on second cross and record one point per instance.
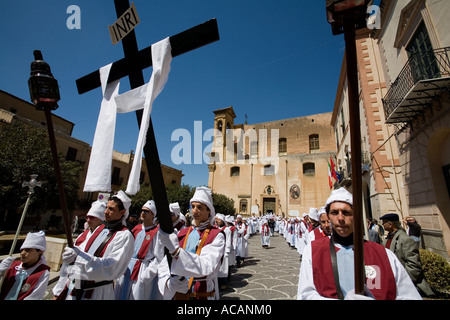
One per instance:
(98, 177)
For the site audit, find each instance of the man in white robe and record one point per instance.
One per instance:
(95, 274)
(265, 234)
(223, 271)
(140, 280)
(196, 252)
(27, 278)
(88, 241)
(242, 241)
(386, 278)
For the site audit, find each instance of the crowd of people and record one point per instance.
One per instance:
(112, 262)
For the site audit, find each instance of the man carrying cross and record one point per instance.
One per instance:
(139, 100)
(197, 253)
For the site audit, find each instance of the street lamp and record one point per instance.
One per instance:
(44, 94)
(43, 86)
(340, 11)
(345, 16)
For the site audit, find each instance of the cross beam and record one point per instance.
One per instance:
(183, 42)
(132, 65)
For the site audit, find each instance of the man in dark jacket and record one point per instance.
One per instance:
(406, 251)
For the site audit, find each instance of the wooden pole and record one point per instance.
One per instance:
(355, 144)
(62, 196)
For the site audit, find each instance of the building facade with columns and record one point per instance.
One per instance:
(278, 166)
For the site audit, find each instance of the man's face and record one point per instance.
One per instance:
(30, 256)
(147, 216)
(112, 212)
(219, 222)
(341, 218)
(93, 222)
(325, 224)
(388, 225)
(200, 212)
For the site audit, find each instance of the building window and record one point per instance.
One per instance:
(115, 179)
(309, 169)
(254, 149)
(243, 205)
(71, 154)
(342, 121)
(269, 170)
(421, 55)
(282, 146)
(219, 126)
(314, 143)
(234, 171)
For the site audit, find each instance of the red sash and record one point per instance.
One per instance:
(143, 250)
(381, 281)
(265, 230)
(211, 236)
(83, 236)
(318, 234)
(199, 286)
(29, 283)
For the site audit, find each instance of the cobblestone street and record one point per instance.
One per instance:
(268, 274)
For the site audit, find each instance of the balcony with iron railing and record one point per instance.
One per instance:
(423, 78)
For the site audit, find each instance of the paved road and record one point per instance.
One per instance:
(268, 274)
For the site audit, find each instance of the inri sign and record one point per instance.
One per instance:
(126, 22)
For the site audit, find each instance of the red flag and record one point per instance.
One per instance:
(333, 171)
(329, 176)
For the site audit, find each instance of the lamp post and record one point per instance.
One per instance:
(345, 16)
(44, 94)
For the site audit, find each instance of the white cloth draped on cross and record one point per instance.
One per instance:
(98, 176)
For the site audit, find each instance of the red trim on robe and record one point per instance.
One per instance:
(143, 250)
(31, 280)
(383, 287)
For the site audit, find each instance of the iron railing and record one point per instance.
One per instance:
(420, 66)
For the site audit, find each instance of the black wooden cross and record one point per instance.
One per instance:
(132, 65)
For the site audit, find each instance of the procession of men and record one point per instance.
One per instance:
(197, 260)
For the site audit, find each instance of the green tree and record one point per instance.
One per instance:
(25, 150)
(223, 204)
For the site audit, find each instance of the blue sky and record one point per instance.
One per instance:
(275, 59)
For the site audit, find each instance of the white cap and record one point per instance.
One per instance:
(313, 214)
(175, 208)
(204, 195)
(35, 240)
(97, 210)
(220, 216)
(126, 203)
(341, 195)
(229, 219)
(151, 205)
(322, 211)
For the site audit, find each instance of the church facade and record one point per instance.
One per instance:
(279, 167)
